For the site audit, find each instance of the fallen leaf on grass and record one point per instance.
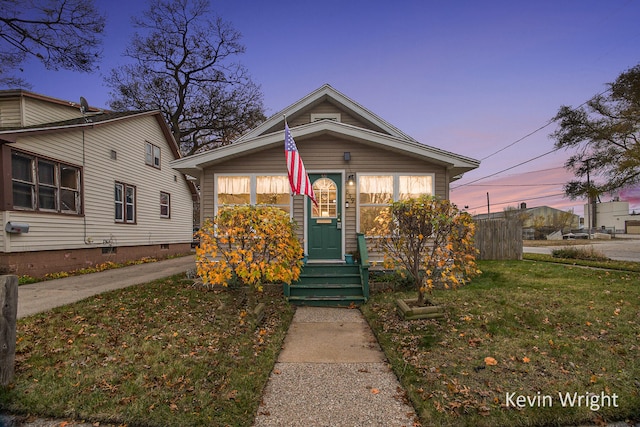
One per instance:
(526, 359)
(490, 361)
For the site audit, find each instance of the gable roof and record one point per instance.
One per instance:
(22, 93)
(271, 133)
(325, 93)
(90, 121)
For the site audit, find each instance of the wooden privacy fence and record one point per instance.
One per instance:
(499, 239)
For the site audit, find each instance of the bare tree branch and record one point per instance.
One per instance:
(60, 33)
(183, 64)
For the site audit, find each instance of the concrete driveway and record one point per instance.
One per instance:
(620, 248)
(43, 296)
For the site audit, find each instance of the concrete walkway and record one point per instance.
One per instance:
(331, 372)
(43, 296)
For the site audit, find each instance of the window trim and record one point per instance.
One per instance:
(168, 205)
(253, 189)
(123, 203)
(35, 160)
(151, 161)
(396, 189)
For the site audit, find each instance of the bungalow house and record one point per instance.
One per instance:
(357, 163)
(81, 187)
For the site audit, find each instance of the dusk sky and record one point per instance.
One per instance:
(465, 76)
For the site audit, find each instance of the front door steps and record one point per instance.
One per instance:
(334, 284)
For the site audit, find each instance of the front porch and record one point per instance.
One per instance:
(333, 284)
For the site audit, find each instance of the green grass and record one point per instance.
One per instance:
(628, 266)
(159, 354)
(551, 328)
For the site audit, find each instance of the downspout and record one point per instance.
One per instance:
(84, 213)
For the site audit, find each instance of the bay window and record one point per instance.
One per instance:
(44, 185)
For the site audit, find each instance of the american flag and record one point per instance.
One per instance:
(298, 177)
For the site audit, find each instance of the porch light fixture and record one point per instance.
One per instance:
(347, 156)
(351, 179)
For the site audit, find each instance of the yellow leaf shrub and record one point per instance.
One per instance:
(429, 239)
(252, 244)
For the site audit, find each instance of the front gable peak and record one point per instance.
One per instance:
(326, 103)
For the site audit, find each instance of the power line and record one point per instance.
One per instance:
(541, 127)
(504, 170)
(513, 185)
(520, 200)
(518, 140)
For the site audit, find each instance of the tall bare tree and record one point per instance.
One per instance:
(60, 33)
(183, 63)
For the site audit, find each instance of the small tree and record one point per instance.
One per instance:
(251, 244)
(430, 239)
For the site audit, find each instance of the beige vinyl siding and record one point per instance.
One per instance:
(324, 153)
(37, 111)
(99, 174)
(10, 113)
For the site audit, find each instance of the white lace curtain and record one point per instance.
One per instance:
(414, 186)
(242, 185)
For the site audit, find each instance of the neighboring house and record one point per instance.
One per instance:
(358, 164)
(83, 188)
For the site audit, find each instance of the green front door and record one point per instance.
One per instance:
(324, 231)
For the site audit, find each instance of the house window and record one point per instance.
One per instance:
(152, 155)
(44, 185)
(165, 205)
(125, 203)
(234, 190)
(377, 192)
(326, 193)
(272, 190)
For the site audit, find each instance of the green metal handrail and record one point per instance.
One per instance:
(364, 265)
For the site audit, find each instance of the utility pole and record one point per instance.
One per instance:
(488, 207)
(591, 200)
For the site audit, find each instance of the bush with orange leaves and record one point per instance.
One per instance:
(429, 240)
(251, 244)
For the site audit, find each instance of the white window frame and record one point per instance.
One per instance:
(396, 189)
(253, 178)
(123, 204)
(152, 155)
(167, 205)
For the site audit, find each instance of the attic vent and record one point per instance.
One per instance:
(325, 116)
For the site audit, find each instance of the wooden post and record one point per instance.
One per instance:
(8, 317)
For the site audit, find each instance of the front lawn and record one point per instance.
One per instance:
(159, 354)
(515, 342)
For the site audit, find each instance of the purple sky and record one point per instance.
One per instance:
(465, 76)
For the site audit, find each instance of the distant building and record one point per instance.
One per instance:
(613, 216)
(540, 221)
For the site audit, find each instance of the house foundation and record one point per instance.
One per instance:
(38, 264)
